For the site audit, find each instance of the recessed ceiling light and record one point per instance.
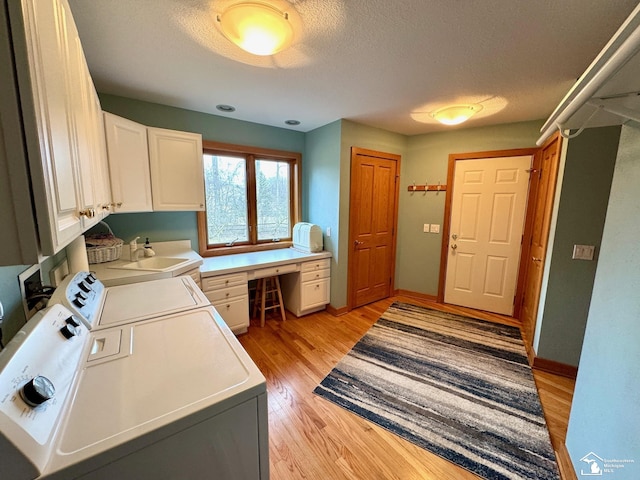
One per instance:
(292, 122)
(226, 108)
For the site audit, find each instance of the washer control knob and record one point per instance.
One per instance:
(69, 331)
(78, 302)
(37, 391)
(82, 295)
(90, 278)
(84, 287)
(72, 321)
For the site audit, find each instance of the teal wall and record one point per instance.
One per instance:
(11, 300)
(605, 414)
(321, 190)
(426, 160)
(165, 226)
(583, 198)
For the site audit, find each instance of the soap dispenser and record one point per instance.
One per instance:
(148, 251)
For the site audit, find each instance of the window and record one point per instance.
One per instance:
(252, 198)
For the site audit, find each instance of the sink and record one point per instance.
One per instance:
(154, 264)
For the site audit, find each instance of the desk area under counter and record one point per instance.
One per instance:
(304, 277)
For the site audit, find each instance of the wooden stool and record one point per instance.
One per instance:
(268, 297)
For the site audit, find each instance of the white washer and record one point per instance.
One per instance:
(160, 397)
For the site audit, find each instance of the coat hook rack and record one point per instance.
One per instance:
(427, 188)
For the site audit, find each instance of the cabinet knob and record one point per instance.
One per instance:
(89, 213)
(228, 306)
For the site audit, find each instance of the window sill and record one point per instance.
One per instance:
(215, 252)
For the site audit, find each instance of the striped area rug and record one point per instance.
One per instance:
(456, 386)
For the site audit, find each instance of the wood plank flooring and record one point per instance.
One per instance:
(311, 438)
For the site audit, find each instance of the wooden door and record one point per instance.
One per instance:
(372, 225)
(489, 199)
(546, 171)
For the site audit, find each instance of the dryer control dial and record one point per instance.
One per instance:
(37, 391)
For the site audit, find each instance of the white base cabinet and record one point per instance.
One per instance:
(229, 294)
(309, 290)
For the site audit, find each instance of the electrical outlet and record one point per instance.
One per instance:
(328, 231)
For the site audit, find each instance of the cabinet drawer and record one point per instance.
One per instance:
(223, 281)
(316, 265)
(223, 294)
(315, 275)
(235, 312)
(273, 271)
(313, 294)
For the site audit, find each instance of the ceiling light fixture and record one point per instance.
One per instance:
(292, 122)
(456, 114)
(258, 28)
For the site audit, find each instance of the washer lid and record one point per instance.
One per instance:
(170, 369)
(140, 301)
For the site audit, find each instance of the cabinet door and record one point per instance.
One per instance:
(314, 294)
(51, 147)
(177, 176)
(128, 164)
(82, 109)
(235, 312)
(102, 181)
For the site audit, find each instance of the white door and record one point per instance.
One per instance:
(487, 220)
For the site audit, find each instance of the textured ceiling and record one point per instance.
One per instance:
(386, 64)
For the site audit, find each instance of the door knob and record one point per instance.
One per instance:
(454, 236)
(358, 242)
(454, 246)
(535, 259)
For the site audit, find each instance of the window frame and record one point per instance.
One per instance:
(252, 153)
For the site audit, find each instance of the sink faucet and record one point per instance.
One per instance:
(134, 249)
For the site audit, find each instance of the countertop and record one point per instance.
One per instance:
(110, 275)
(242, 262)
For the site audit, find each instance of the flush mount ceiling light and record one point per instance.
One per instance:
(456, 114)
(258, 28)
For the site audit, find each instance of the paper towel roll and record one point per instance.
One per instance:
(77, 256)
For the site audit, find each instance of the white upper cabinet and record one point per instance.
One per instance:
(177, 176)
(57, 119)
(128, 164)
(153, 169)
(56, 194)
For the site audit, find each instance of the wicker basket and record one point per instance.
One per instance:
(103, 247)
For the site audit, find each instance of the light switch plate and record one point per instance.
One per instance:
(583, 252)
(425, 228)
(435, 228)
